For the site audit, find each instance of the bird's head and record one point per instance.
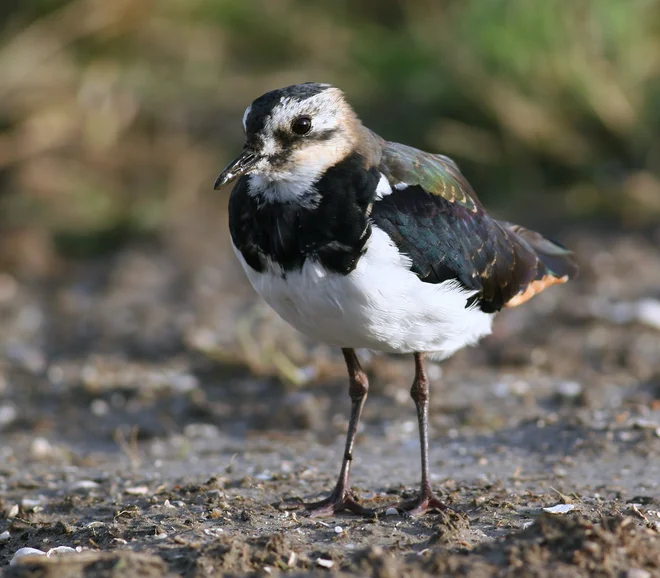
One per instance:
(293, 135)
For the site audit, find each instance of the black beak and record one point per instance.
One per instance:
(236, 168)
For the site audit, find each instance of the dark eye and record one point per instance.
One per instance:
(302, 125)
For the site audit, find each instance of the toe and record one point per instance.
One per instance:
(422, 505)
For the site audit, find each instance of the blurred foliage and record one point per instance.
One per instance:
(115, 116)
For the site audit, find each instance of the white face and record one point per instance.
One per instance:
(291, 162)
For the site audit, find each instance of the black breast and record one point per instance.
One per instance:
(334, 232)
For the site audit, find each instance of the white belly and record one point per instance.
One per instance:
(380, 305)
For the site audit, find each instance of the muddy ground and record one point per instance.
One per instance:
(157, 418)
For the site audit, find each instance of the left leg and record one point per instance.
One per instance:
(419, 392)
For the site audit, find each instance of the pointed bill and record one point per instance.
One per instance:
(236, 168)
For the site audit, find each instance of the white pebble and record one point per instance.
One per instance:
(137, 490)
(41, 448)
(96, 524)
(5, 537)
(569, 388)
(99, 407)
(638, 573)
(20, 553)
(648, 312)
(8, 414)
(84, 485)
(323, 563)
(339, 530)
(559, 509)
(391, 512)
(12, 511)
(60, 550)
(29, 504)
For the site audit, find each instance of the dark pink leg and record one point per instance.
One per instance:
(341, 498)
(427, 500)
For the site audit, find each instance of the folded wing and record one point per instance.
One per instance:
(433, 215)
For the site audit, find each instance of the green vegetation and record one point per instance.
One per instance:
(113, 115)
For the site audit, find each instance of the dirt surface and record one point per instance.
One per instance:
(155, 417)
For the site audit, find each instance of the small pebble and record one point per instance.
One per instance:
(648, 312)
(137, 490)
(96, 524)
(60, 550)
(391, 512)
(12, 511)
(638, 573)
(99, 407)
(339, 530)
(5, 537)
(323, 563)
(8, 414)
(559, 509)
(84, 485)
(30, 504)
(20, 553)
(569, 389)
(641, 423)
(41, 448)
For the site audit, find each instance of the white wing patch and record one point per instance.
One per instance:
(383, 188)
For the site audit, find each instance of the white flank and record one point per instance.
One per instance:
(380, 305)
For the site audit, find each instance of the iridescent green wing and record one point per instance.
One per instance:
(436, 174)
(434, 217)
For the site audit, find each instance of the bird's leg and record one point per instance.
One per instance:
(419, 391)
(341, 497)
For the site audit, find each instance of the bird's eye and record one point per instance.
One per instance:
(301, 125)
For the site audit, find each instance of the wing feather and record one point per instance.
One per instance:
(434, 216)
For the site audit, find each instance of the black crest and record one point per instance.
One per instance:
(264, 105)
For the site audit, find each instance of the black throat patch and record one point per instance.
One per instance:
(333, 233)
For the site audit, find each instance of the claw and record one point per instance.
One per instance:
(425, 503)
(336, 502)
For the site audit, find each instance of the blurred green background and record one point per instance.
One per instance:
(116, 115)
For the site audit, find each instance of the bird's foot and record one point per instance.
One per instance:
(340, 500)
(426, 502)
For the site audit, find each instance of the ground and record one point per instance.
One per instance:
(156, 417)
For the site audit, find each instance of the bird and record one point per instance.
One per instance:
(363, 243)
